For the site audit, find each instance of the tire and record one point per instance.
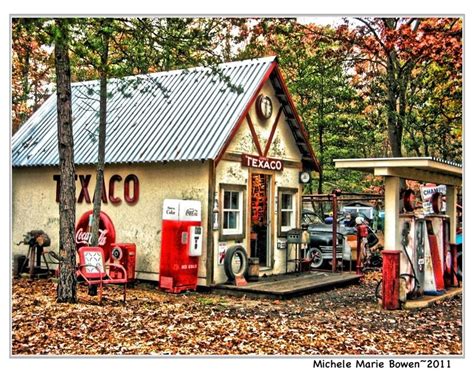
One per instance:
(376, 261)
(408, 200)
(437, 202)
(316, 257)
(236, 262)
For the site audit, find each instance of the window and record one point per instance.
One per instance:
(232, 211)
(232, 221)
(287, 210)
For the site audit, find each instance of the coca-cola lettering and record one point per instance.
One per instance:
(262, 162)
(191, 212)
(84, 237)
(83, 233)
(130, 183)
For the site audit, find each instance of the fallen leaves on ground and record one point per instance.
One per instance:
(343, 321)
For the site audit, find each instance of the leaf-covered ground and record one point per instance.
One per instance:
(342, 321)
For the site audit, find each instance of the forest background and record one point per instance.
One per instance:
(202, 7)
(364, 86)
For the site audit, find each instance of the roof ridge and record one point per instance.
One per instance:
(178, 71)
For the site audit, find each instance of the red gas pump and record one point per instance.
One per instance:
(362, 232)
(181, 245)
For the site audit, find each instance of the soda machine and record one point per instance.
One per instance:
(181, 245)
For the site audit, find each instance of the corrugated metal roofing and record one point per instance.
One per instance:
(169, 116)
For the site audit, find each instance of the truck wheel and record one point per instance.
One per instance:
(316, 257)
(236, 262)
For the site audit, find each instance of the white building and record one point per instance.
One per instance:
(235, 144)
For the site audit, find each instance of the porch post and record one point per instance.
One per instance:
(392, 210)
(451, 201)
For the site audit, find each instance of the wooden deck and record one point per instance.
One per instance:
(289, 285)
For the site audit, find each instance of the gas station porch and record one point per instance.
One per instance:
(289, 285)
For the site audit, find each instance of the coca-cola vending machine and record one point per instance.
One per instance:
(181, 245)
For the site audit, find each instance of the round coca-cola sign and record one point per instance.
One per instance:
(106, 232)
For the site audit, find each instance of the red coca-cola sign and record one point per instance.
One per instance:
(106, 232)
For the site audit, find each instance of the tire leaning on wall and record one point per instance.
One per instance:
(236, 262)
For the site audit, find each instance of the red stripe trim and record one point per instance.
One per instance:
(254, 135)
(298, 120)
(437, 264)
(244, 113)
(272, 133)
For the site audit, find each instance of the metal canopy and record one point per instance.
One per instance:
(426, 169)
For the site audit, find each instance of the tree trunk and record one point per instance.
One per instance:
(320, 135)
(394, 132)
(102, 136)
(66, 289)
(321, 155)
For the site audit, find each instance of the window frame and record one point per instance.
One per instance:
(232, 234)
(283, 230)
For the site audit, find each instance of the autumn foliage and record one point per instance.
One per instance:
(364, 87)
(344, 321)
(32, 70)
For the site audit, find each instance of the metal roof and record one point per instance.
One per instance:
(169, 116)
(426, 169)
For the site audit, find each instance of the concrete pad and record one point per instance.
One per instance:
(427, 301)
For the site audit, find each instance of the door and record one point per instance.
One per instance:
(260, 218)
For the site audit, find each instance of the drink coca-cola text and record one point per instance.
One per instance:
(84, 237)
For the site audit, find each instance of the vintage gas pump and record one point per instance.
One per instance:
(125, 255)
(412, 259)
(181, 245)
(439, 263)
(413, 252)
(425, 261)
(362, 233)
(434, 281)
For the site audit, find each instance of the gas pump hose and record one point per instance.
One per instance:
(55, 258)
(404, 242)
(377, 294)
(404, 275)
